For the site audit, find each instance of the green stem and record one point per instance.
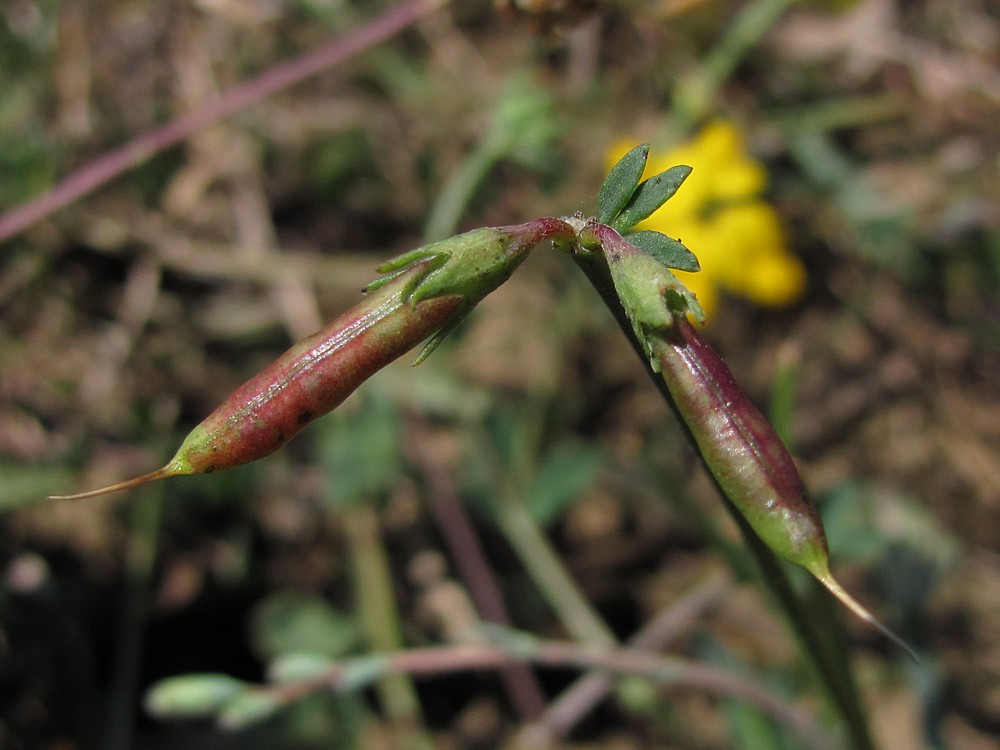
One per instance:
(828, 655)
(693, 97)
(376, 607)
(140, 558)
(548, 573)
(541, 561)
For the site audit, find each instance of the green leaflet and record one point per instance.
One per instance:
(667, 250)
(649, 196)
(620, 184)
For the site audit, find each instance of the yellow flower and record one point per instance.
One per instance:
(719, 214)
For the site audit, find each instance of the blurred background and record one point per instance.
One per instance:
(845, 206)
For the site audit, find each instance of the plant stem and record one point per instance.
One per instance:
(376, 609)
(545, 568)
(508, 647)
(548, 572)
(281, 76)
(582, 696)
(522, 687)
(460, 187)
(140, 559)
(694, 96)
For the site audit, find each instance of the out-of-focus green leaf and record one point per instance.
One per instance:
(287, 623)
(23, 485)
(360, 451)
(565, 473)
(298, 666)
(192, 696)
(248, 708)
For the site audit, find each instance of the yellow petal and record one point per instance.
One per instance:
(775, 280)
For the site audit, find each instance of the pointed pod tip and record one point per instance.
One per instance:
(127, 484)
(862, 612)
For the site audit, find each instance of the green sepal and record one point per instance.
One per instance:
(477, 262)
(407, 259)
(398, 266)
(667, 250)
(649, 196)
(650, 294)
(620, 184)
(471, 265)
(435, 341)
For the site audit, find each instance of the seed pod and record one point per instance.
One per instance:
(740, 447)
(431, 290)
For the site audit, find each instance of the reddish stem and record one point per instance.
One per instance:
(107, 167)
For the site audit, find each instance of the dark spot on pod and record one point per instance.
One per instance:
(305, 416)
(209, 470)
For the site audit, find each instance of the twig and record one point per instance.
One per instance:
(521, 685)
(581, 697)
(511, 647)
(138, 150)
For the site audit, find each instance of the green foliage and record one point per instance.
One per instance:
(621, 183)
(289, 624)
(564, 475)
(192, 696)
(361, 450)
(298, 666)
(666, 250)
(623, 201)
(248, 708)
(523, 129)
(22, 485)
(28, 154)
(869, 201)
(649, 196)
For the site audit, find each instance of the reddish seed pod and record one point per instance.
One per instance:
(307, 381)
(741, 449)
(747, 457)
(434, 290)
(314, 377)
(739, 444)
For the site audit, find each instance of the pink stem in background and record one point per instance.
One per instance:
(520, 683)
(107, 167)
